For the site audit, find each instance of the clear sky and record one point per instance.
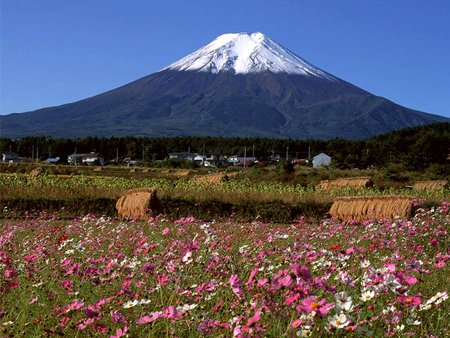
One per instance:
(55, 52)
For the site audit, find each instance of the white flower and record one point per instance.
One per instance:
(365, 264)
(243, 248)
(145, 301)
(130, 303)
(343, 302)
(339, 321)
(412, 321)
(399, 328)
(186, 307)
(305, 331)
(392, 283)
(187, 257)
(389, 309)
(367, 295)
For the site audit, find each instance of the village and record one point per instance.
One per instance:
(200, 160)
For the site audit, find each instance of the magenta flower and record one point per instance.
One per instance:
(120, 333)
(409, 300)
(440, 264)
(148, 319)
(311, 304)
(118, 317)
(252, 275)
(236, 283)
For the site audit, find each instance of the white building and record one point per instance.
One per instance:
(321, 160)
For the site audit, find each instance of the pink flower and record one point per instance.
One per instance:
(75, 305)
(67, 285)
(410, 280)
(256, 317)
(33, 300)
(409, 300)
(252, 275)
(165, 231)
(311, 304)
(296, 323)
(118, 317)
(148, 319)
(171, 313)
(440, 264)
(120, 332)
(302, 272)
(434, 242)
(291, 299)
(236, 283)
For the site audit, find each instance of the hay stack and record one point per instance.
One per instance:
(98, 169)
(210, 178)
(431, 185)
(361, 208)
(138, 203)
(35, 172)
(349, 182)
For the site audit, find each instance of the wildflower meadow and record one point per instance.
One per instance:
(98, 276)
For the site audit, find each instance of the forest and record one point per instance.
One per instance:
(415, 148)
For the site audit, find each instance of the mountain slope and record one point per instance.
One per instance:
(238, 85)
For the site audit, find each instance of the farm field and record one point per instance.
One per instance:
(185, 194)
(96, 276)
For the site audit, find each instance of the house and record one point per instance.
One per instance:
(183, 155)
(321, 160)
(10, 157)
(88, 159)
(53, 160)
(236, 160)
(93, 159)
(215, 160)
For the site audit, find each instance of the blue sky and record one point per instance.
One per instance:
(55, 52)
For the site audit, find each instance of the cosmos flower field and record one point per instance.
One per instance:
(97, 276)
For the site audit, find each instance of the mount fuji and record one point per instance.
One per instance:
(241, 84)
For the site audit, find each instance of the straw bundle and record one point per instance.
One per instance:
(210, 179)
(366, 208)
(35, 172)
(350, 182)
(138, 203)
(98, 169)
(178, 173)
(431, 185)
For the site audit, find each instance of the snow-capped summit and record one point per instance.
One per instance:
(246, 53)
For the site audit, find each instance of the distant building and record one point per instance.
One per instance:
(53, 160)
(88, 159)
(215, 160)
(321, 160)
(10, 157)
(183, 155)
(237, 160)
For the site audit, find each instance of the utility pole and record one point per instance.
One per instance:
(287, 153)
(32, 153)
(117, 156)
(245, 157)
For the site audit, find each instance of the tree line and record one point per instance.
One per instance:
(416, 148)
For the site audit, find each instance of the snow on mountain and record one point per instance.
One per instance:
(246, 53)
